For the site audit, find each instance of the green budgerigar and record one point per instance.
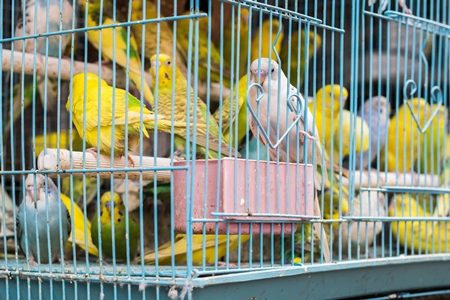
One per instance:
(110, 214)
(234, 116)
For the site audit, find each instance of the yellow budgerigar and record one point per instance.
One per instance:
(89, 84)
(351, 125)
(328, 100)
(164, 68)
(125, 49)
(404, 135)
(294, 66)
(204, 56)
(210, 254)
(166, 39)
(238, 32)
(236, 116)
(78, 230)
(418, 235)
(266, 38)
(433, 142)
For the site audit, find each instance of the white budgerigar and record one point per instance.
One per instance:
(40, 18)
(271, 108)
(282, 116)
(34, 209)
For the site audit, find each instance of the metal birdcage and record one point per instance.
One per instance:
(223, 149)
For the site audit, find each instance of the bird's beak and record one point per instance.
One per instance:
(30, 191)
(108, 205)
(154, 67)
(262, 76)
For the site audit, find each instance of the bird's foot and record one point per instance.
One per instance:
(103, 261)
(224, 264)
(131, 161)
(105, 61)
(40, 58)
(92, 151)
(402, 4)
(32, 262)
(66, 263)
(176, 155)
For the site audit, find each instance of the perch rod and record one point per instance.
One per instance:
(52, 67)
(364, 179)
(49, 162)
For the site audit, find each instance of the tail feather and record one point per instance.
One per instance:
(136, 79)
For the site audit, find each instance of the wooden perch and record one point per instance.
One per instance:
(364, 179)
(78, 67)
(66, 66)
(49, 162)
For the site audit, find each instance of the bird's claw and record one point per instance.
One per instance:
(225, 264)
(105, 61)
(131, 161)
(176, 155)
(92, 151)
(66, 263)
(32, 262)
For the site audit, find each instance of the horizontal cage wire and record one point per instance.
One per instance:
(183, 149)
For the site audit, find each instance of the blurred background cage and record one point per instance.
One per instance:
(252, 203)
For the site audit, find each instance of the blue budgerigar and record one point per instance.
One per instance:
(40, 19)
(376, 114)
(34, 207)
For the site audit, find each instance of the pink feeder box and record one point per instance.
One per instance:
(253, 182)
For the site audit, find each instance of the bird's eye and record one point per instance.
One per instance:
(273, 70)
(168, 62)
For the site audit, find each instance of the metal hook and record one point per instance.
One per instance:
(299, 115)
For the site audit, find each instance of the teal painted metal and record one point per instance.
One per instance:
(382, 224)
(350, 279)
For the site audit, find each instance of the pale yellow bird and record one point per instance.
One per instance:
(433, 142)
(357, 128)
(328, 101)
(422, 236)
(164, 68)
(404, 135)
